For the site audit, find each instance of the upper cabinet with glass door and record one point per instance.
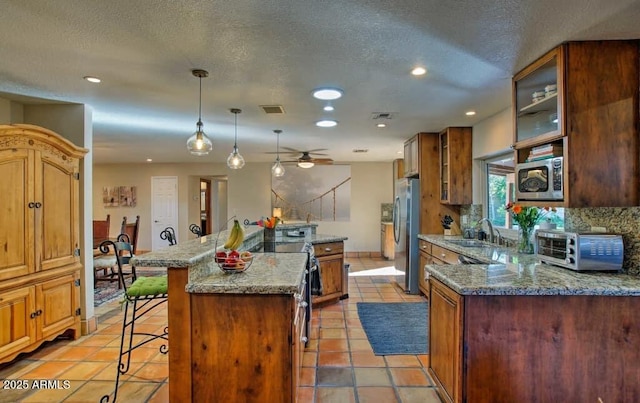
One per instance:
(537, 92)
(590, 119)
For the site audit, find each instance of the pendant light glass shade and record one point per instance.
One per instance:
(235, 160)
(199, 144)
(277, 169)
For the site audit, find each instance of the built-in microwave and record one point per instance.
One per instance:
(540, 180)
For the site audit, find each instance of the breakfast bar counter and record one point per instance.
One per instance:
(511, 329)
(233, 336)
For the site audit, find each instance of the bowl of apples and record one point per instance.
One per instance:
(233, 261)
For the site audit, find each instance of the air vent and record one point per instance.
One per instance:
(360, 150)
(382, 115)
(272, 109)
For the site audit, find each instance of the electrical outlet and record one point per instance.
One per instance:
(598, 229)
(385, 213)
(464, 219)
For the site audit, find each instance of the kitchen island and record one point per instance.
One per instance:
(512, 329)
(239, 336)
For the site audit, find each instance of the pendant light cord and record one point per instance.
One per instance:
(235, 141)
(200, 104)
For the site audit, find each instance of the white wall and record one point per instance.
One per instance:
(249, 196)
(491, 136)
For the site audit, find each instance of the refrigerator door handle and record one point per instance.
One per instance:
(396, 219)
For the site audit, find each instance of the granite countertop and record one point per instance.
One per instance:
(507, 272)
(269, 273)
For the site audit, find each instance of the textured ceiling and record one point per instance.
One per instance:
(268, 52)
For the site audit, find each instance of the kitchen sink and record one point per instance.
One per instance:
(470, 243)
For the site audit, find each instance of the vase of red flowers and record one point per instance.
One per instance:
(526, 217)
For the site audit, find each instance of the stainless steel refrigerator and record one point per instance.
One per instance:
(406, 220)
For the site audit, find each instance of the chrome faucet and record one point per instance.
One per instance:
(492, 235)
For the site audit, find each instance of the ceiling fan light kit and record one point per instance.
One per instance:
(199, 144)
(235, 160)
(303, 164)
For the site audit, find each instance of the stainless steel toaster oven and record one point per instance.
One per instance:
(580, 251)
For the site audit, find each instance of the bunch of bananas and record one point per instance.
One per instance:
(236, 236)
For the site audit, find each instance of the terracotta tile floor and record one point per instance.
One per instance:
(338, 365)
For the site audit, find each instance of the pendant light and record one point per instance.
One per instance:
(235, 160)
(199, 144)
(277, 169)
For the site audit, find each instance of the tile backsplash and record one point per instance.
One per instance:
(618, 220)
(386, 212)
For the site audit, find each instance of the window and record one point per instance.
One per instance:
(500, 188)
(500, 172)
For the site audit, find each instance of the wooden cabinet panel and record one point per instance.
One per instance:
(254, 331)
(17, 326)
(331, 262)
(16, 218)
(387, 243)
(412, 157)
(331, 268)
(455, 165)
(423, 260)
(58, 214)
(445, 340)
(445, 255)
(58, 300)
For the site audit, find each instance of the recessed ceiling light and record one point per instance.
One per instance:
(149, 160)
(327, 94)
(326, 123)
(381, 125)
(92, 79)
(329, 108)
(419, 71)
(470, 113)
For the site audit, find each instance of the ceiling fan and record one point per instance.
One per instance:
(305, 159)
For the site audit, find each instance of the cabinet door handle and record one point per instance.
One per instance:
(38, 204)
(303, 339)
(39, 312)
(31, 205)
(327, 249)
(443, 254)
(33, 315)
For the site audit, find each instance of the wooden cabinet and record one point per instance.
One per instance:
(39, 270)
(412, 157)
(590, 119)
(455, 165)
(398, 169)
(445, 340)
(387, 243)
(331, 261)
(522, 348)
(257, 332)
(424, 259)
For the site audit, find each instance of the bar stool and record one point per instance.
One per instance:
(141, 297)
(195, 229)
(169, 234)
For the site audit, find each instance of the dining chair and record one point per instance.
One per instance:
(132, 230)
(101, 231)
(108, 261)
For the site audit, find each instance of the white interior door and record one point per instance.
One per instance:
(164, 208)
